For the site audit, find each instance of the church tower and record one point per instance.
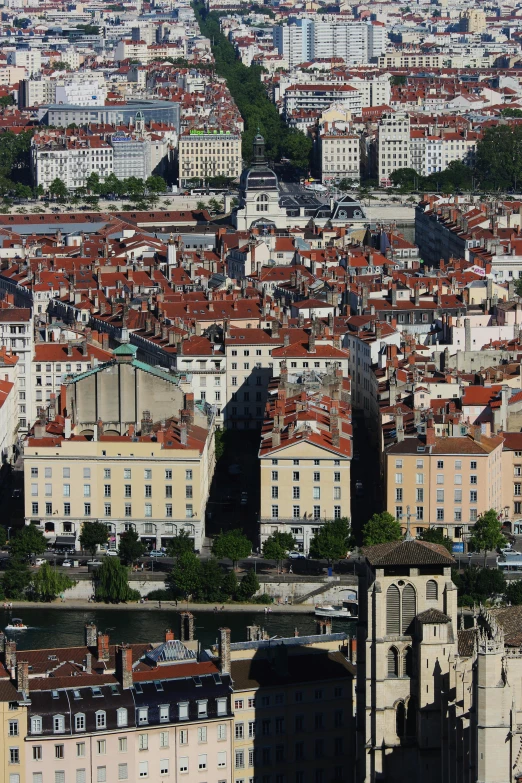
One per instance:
(407, 642)
(259, 194)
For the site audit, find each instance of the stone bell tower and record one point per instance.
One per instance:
(407, 640)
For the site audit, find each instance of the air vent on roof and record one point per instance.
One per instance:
(52, 658)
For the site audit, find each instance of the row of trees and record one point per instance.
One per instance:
(248, 91)
(135, 189)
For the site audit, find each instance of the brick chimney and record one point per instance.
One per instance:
(103, 646)
(22, 677)
(430, 435)
(169, 635)
(10, 654)
(224, 650)
(124, 665)
(353, 650)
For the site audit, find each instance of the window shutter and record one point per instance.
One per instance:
(392, 662)
(392, 610)
(431, 590)
(408, 607)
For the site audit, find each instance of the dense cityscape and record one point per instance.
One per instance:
(260, 391)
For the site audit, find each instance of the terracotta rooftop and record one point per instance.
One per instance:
(410, 553)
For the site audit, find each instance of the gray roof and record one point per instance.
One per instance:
(408, 553)
(291, 641)
(171, 651)
(433, 617)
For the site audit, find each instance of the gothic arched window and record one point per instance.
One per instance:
(408, 607)
(393, 662)
(432, 590)
(400, 719)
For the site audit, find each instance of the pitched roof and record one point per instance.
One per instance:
(408, 553)
(433, 617)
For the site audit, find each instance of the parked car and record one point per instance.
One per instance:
(39, 561)
(67, 564)
(157, 553)
(244, 498)
(94, 562)
(296, 556)
(111, 553)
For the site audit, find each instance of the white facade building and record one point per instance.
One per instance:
(393, 144)
(340, 153)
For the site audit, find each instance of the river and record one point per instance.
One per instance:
(65, 628)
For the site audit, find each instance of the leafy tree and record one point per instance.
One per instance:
(155, 184)
(131, 547)
(298, 148)
(346, 184)
(486, 533)
(498, 159)
(332, 540)
(220, 441)
(249, 585)
(404, 178)
(58, 189)
(215, 205)
(27, 542)
(513, 593)
(93, 535)
(435, 535)
(398, 79)
(92, 182)
(111, 582)
(7, 100)
(17, 578)
(476, 585)
(185, 577)
(230, 584)
(180, 544)
(518, 286)
(277, 546)
(3, 537)
(200, 205)
(511, 113)
(233, 545)
(211, 582)
(60, 66)
(380, 529)
(47, 583)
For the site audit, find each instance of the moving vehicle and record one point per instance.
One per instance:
(157, 553)
(67, 564)
(296, 556)
(111, 553)
(16, 624)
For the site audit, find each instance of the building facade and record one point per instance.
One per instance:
(206, 154)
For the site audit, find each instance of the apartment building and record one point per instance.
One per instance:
(13, 725)
(445, 482)
(71, 160)
(340, 153)
(307, 39)
(367, 341)
(317, 97)
(293, 709)
(133, 712)
(28, 58)
(16, 336)
(393, 144)
(411, 59)
(205, 153)
(152, 475)
(53, 362)
(432, 152)
(512, 481)
(9, 401)
(205, 361)
(305, 454)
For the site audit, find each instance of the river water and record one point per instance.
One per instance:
(65, 628)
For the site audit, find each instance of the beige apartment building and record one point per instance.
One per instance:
(512, 481)
(209, 153)
(305, 456)
(340, 153)
(446, 482)
(13, 727)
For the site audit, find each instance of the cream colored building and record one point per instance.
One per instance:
(340, 153)
(105, 458)
(447, 482)
(13, 728)
(305, 455)
(473, 20)
(393, 144)
(204, 154)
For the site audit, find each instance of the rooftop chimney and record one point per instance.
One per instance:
(91, 635)
(10, 654)
(224, 650)
(103, 646)
(22, 677)
(124, 665)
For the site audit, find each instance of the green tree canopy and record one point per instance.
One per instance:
(380, 529)
(477, 585)
(47, 583)
(131, 547)
(185, 577)
(277, 546)
(233, 545)
(211, 581)
(58, 189)
(179, 544)
(111, 581)
(17, 578)
(435, 535)
(27, 542)
(230, 584)
(249, 585)
(3, 536)
(93, 535)
(513, 593)
(486, 534)
(498, 158)
(332, 540)
(155, 184)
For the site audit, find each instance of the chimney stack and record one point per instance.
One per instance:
(91, 635)
(22, 677)
(124, 665)
(169, 635)
(10, 655)
(103, 646)
(224, 650)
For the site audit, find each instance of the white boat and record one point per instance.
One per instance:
(348, 610)
(16, 624)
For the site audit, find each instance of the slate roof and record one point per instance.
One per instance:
(410, 553)
(510, 619)
(466, 640)
(433, 617)
(255, 673)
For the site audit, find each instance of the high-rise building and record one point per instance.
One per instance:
(353, 42)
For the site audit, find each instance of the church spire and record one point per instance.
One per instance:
(259, 156)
